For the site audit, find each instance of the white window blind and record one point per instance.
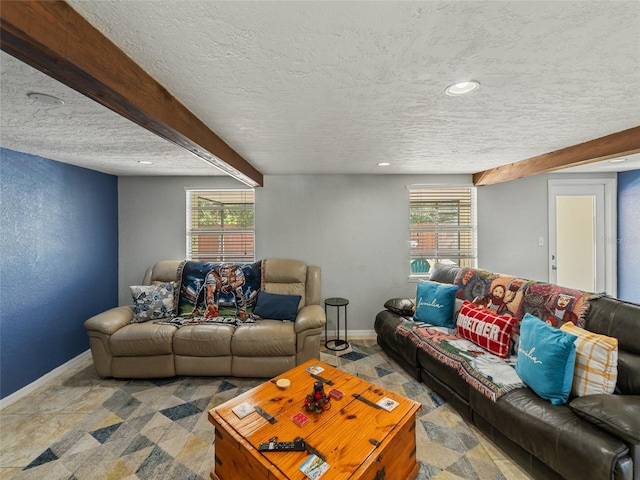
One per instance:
(442, 227)
(221, 225)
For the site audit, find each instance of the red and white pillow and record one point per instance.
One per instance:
(486, 329)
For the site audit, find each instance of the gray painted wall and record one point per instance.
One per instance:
(355, 227)
(511, 218)
(153, 219)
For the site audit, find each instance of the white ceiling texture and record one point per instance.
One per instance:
(319, 87)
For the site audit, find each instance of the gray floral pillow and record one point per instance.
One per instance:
(152, 302)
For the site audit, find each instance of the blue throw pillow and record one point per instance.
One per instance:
(435, 303)
(546, 359)
(277, 307)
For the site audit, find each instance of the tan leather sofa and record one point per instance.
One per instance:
(266, 348)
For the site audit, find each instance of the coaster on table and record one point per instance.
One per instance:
(387, 403)
(242, 410)
(314, 467)
(315, 369)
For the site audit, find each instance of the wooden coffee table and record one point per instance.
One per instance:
(358, 440)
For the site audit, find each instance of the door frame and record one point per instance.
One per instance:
(609, 223)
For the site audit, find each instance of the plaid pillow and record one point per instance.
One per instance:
(596, 369)
(486, 329)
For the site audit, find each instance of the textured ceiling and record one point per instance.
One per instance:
(82, 132)
(336, 87)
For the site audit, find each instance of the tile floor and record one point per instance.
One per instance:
(81, 427)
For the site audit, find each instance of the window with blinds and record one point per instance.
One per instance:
(442, 228)
(221, 225)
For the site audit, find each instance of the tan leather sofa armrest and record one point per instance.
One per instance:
(311, 316)
(110, 321)
(313, 285)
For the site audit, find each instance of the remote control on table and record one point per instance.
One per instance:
(297, 445)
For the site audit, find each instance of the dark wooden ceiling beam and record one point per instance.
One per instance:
(53, 38)
(626, 142)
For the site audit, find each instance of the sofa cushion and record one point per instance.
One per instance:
(162, 271)
(400, 306)
(617, 414)
(628, 373)
(277, 307)
(142, 339)
(546, 358)
(286, 277)
(435, 303)
(552, 433)
(615, 318)
(266, 338)
(486, 329)
(443, 273)
(152, 302)
(596, 369)
(203, 340)
(619, 319)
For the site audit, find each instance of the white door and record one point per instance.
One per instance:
(582, 232)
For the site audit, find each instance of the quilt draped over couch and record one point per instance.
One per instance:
(216, 292)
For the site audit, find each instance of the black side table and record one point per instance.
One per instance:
(337, 344)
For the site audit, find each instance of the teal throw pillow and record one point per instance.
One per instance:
(435, 304)
(546, 359)
(277, 307)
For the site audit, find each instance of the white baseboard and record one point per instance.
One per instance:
(43, 380)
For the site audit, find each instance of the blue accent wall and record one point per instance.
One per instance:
(59, 262)
(629, 236)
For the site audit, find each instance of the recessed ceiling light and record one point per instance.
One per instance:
(618, 160)
(462, 88)
(145, 162)
(44, 98)
(384, 164)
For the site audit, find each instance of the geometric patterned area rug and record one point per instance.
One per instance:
(158, 429)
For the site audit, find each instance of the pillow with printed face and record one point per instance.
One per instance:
(152, 302)
(435, 303)
(546, 359)
(486, 329)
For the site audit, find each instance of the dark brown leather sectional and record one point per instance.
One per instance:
(593, 437)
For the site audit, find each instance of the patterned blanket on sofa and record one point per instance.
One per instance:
(514, 296)
(216, 292)
(490, 375)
